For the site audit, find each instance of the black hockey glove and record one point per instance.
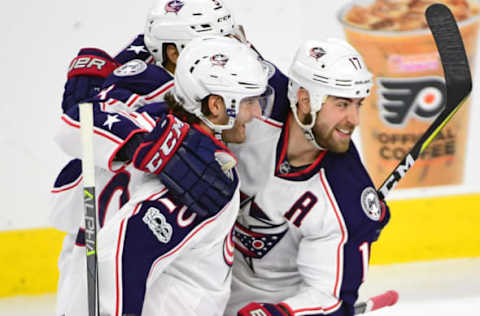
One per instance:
(86, 74)
(189, 165)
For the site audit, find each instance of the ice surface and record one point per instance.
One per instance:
(440, 288)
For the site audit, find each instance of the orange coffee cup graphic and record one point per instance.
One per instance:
(409, 88)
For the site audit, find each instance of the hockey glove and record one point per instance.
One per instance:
(160, 145)
(254, 309)
(187, 165)
(86, 74)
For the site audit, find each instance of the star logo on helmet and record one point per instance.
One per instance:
(317, 52)
(174, 6)
(219, 60)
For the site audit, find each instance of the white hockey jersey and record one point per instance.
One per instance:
(166, 255)
(158, 258)
(303, 236)
(154, 253)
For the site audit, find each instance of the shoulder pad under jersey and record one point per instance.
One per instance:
(135, 50)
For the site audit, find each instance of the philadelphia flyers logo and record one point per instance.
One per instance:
(174, 6)
(400, 99)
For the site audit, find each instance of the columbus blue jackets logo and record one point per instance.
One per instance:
(132, 68)
(255, 241)
(371, 203)
(219, 60)
(174, 6)
(317, 52)
(400, 99)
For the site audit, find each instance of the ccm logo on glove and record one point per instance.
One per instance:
(157, 153)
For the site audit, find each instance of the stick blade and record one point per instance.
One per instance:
(452, 53)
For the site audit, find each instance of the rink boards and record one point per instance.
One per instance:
(419, 230)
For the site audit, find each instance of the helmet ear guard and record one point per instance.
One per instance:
(326, 68)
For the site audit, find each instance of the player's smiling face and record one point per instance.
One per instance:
(249, 109)
(336, 121)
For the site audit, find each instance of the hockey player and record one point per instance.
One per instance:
(228, 77)
(169, 26)
(309, 211)
(125, 91)
(156, 257)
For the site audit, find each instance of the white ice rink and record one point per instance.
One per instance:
(438, 288)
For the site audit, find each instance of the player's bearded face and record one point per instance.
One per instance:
(249, 109)
(335, 123)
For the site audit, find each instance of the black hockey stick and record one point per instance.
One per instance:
(458, 82)
(388, 298)
(88, 173)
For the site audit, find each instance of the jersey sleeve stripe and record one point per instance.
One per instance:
(148, 118)
(341, 224)
(324, 309)
(77, 125)
(67, 187)
(117, 268)
(159, 91)
(132, 99)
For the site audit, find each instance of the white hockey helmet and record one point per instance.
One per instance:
(179, 21)
(325, 68)
(222, 66)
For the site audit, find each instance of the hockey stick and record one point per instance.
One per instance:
(388, 298)
(458, 82)
(88, 173)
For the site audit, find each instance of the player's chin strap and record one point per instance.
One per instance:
(307, 128)
(217, 129)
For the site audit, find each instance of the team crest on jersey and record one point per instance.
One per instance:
(219, 60)
(317, 52)
(371, 203)
(257, 238)
(174, 6)
(158, 224)
(254, 242)
(132, 68)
